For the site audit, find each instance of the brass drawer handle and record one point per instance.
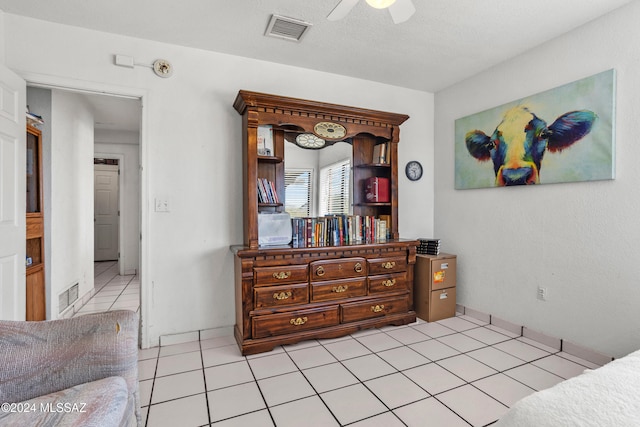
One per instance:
(377, 308)
(389, 264)
(282, 275)
(389, 283)
(282, 295)
(299, 321)
(320, 271)
(358, 267)
(340, 289)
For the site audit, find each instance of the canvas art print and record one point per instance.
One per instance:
(565, 134)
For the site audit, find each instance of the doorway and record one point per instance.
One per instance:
(109, 128)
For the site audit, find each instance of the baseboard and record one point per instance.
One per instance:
(556, 343)
(200, 335)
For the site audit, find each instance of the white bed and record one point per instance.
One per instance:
(605, 397)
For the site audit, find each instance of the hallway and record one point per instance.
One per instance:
(115, 292)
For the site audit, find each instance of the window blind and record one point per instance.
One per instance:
(334, 188)
(297, 183)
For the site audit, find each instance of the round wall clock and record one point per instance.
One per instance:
(413, 170)
(309, 140)
(330, 130)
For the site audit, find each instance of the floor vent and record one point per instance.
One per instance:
(63, 301)
(73, 293)
(68, 297)
(287, 28)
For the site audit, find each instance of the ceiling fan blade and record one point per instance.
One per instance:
(401, 11)
(341, 10)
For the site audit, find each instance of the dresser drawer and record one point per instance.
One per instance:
(387, 265)
(388, 283)
(272, 296)
(266, 276)
(352, 312)
(342, 268)
(338, 289)
(295, 321)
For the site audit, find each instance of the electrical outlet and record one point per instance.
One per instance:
(542, 293)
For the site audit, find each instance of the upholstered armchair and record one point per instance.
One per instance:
(81, 371)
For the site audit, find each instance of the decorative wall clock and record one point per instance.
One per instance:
(330, 130)
(413, 170)
(309, 140)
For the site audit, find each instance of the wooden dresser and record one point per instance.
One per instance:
(287, 295)
(305, 289)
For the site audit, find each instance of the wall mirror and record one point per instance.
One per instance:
(318, 181)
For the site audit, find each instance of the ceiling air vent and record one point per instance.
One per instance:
(287, 28)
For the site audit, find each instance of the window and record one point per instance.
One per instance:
(334, 188)
(297, 184)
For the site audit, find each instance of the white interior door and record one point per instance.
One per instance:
(13, 94)
(106, 212)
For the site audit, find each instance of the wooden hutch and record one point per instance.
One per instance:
(286, 294)
(36, 301)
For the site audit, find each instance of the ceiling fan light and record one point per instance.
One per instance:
(380, 4)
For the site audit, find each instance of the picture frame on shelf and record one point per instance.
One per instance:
(265, 140)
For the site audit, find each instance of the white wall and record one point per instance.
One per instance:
(124, 145)
(579, 240)
(192, 152)
(71, 259)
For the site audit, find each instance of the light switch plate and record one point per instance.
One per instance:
(162, 205)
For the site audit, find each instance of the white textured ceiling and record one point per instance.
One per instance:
(446, 41)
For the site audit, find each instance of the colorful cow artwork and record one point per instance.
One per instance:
(518, 144)
(565, 134)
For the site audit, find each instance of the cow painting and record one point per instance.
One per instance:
(518, 144)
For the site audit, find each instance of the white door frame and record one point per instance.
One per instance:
(13, 302)
(75, 85)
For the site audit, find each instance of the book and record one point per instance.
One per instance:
(383, 153)
(267, 192)
(376, 190)
(376, 154)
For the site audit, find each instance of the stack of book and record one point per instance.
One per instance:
(336, 230)
(428, 246)
(267, 192)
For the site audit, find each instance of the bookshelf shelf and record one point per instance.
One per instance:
(374, 165)
(270, 159)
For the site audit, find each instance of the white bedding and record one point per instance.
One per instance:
(605, 397)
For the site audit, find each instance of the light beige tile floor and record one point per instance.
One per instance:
(455, 372)
(113, 292)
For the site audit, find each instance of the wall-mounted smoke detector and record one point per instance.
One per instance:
(163, 68)
(287, 28)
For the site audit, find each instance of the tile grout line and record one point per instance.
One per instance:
(204, 378)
